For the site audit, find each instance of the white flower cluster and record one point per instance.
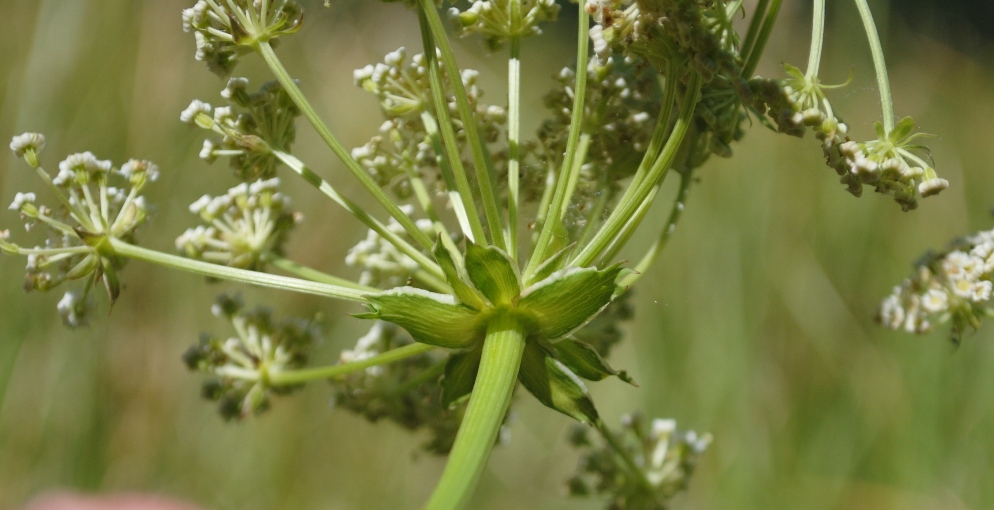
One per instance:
(671, 454)
(243, 226)
(403, 147)
(241, 364)
(91, 212)
(381, 263)
(227, 29)
(405, 392)
(664, 456)
(404, 89)
(886, 163)
(250, 129)
(951, 286)
(494, 19)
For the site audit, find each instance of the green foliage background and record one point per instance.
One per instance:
(756, 325)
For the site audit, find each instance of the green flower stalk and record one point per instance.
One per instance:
(469, 300)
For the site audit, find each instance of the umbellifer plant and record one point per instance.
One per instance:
(468, 300)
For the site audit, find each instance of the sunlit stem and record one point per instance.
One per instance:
(502, 350)
(452, 189)
(486, 176)
(762, 37)
(513, 135)
(375, 225)
(314, 275)
(758, 14)
(817, 39)
(879, 65)
(570, 180)
(291, 88)
(451, 147)
(559, 198)
(650, 257)
(670, 87)
(628, 230)
(424, 199)
(626, 209)
(547, 190)
(290, 377)
(234, 274)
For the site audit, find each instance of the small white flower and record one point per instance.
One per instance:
(208, 152)
(932, 186)
(21, 199)
(891, 311)
(935, 301)
(136, 166)
(954, 263)
(27, 142)
(962, 287)
(73, 309)
(235, 86)
(981, 291)
(196, 107)
(200, 204)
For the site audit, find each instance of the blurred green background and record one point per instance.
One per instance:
(755, 326)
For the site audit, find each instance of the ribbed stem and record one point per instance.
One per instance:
(495, 381)
(234, 274)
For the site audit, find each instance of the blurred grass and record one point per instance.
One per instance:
(756, 325)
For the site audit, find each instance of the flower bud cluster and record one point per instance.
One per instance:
(242, 227)
(241, 365)
(227, 29)
(381, 263)
(496, 21)
(400, 391)
(887, 163)
(664, 457)
(250, 129)
(97, 202)
(403, 146)
(951, 286)
(700, 30)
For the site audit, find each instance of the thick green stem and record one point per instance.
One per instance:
(291, 88)
(290, 377)
(495, 381)
(236, 275)
(559, 198)
(879, 65)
